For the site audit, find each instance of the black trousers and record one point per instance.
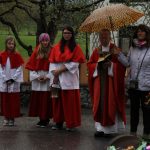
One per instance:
(137, 99)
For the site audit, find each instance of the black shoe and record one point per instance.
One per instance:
(70, 129)
(109, 135)
(99, 134)
(47, 121)
(57, 126)
(44, 123)
(39, 123)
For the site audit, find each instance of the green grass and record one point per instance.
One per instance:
(31, 40)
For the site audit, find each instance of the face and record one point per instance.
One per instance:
(10, 45)
(104, 38)
(141, 35)
(45, 43)
(67, 35)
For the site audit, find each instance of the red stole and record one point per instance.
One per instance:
(15, 59)
(114, 91)
(35, 63)
(67, 56)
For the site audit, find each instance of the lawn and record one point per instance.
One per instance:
(30, 40)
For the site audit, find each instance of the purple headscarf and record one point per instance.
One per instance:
(44, 36)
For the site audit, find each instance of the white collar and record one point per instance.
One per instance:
(106, 49)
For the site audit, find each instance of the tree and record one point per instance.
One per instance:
(46, 14)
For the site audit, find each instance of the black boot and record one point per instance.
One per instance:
(58, 126)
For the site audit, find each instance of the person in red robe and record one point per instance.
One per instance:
(38, 64)
(64, 65)
(106, 85)
(11, 74)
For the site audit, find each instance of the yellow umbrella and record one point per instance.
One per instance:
(110, 17)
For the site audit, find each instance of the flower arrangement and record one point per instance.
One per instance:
(143, 146)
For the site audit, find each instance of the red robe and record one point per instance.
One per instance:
(15, 59)
(67, 108)
(67, 56)
(40, 101)
(113, 93)
(35, 63)
(10, 102)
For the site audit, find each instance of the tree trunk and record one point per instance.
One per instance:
(41, 28)
(52, 30)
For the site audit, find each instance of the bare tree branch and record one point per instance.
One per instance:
(74, 9)
(6, 1)
(14, 31)
(24, 4)
(34, 1)
(27, 12)
(8, 11)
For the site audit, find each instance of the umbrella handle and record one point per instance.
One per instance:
(112, 27)
(113, 37)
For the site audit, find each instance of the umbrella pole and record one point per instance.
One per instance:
(87, 51)
(112, 27)
(113, 37)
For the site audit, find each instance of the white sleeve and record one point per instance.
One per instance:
(125, 60)
(95, 74)
(49, 74)
(2, 75)
(52, 66)
(18, 75)
(33, 75)
(72, 66)
(110, 70)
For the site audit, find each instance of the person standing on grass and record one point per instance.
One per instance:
(11, 74)
(106, 85)
(38, 64)
(64, 65)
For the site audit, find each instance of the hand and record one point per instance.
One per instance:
(56, 73)
(41, 78)
(116, 50)
(45, 78)
(10, 81)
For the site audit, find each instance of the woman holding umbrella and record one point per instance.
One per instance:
(138, 60)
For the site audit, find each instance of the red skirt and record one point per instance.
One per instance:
(68, 108)
(10, 105)
(40, 105)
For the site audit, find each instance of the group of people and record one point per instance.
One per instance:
(48, 65)
(56, 69)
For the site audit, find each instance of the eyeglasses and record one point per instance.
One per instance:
(67, 33)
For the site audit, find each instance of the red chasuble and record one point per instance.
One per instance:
(113, 93)
(15, 59)
(67, 56)
(35, 63)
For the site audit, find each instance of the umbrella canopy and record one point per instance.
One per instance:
(110, 17)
